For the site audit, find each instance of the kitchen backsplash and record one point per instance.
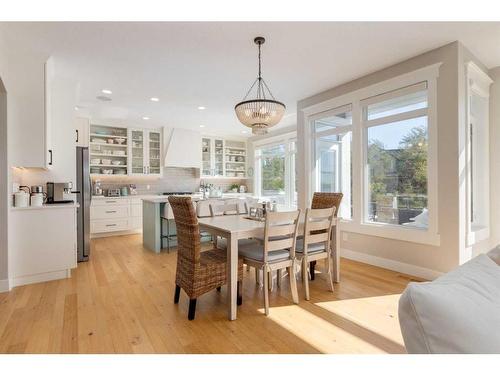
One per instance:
(174, 179)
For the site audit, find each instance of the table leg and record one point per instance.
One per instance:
(232, 272)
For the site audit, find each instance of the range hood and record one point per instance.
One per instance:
(183, 149)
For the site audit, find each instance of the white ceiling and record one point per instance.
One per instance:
(194, 64)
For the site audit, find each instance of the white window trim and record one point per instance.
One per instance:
(286, 139)
(429, 74)
(477, 82)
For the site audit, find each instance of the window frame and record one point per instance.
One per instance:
(287, 140)
(357, 224)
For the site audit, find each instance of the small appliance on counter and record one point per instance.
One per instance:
(56, 191)
(38, 197)
(133, 189)
(21, 199)
(113, 193)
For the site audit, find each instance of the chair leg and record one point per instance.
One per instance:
(192, 309)
(257, 276)
(312, 267)
(218, 288)
(305, 278)
(278, 278)
(266, 291)
(177, 293)
(330, 273)
(293, 284)
(239, 301)
(168, 236)
(270, 281)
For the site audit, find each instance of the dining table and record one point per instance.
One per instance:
(236, 227)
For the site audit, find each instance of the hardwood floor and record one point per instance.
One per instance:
(122, 302)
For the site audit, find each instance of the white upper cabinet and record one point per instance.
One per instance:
(145, 150)
(82, 127)
(223, 158)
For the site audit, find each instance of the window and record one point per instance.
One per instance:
(275, 172)
(332, 149)
(396, 155)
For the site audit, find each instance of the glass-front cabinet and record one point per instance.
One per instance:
(145, 152)
(223, 158)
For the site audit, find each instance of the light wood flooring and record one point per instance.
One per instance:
(122, 302)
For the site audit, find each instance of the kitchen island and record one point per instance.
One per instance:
(153, 208)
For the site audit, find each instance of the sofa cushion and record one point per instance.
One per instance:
(457, 313)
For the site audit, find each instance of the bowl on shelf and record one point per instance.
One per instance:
(107, 152)
(120, 140)
(107, 171)
(119, 152)
(95, 161)
(116, 162)
(98, 140)
(106, 161)
(110, 140)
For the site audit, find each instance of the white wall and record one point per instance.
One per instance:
(419, 259)
(4, 178)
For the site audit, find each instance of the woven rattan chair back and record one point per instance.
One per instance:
(188, 230)
(327, 200)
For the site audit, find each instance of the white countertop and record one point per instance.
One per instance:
(196, 197)
(46, 207)
(142, 196)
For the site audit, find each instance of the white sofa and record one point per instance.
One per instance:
(457, 313)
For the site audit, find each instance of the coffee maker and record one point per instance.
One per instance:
(57, 190)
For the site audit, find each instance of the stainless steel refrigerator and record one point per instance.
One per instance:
(83, 185)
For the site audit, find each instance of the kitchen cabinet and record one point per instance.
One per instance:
(120, 214)
(42, 243)
(223, 158)
(212, 151)
(82, 127)
(108, 150)
(145, 151)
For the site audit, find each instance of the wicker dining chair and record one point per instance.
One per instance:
(276, 252)
(324, 200)
(197, 272)
(315, 243)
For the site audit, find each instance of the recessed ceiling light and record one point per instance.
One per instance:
(103, 98)
(106, 91)
(76, 108)
(202, 126)
(202, 108)
(153, 99)
(145, 118)
(244, 131)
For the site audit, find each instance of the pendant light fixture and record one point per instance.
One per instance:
(264, 111)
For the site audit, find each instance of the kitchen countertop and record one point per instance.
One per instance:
(46, 206)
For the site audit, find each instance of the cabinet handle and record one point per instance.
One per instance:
(111, 212)
(111, 225)
(50, 153)
(77, 136)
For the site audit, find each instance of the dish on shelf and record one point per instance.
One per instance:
(95, 161)
(120, 140)
(116, 162)
(119, 152)
(106, 171)
(120, 171)
(107, 152)
(106, 161)
(98, 140)
(110, 140)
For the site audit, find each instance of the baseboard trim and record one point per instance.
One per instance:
(116, 233)
(39, 278)
(393, 265)
(4, 285)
